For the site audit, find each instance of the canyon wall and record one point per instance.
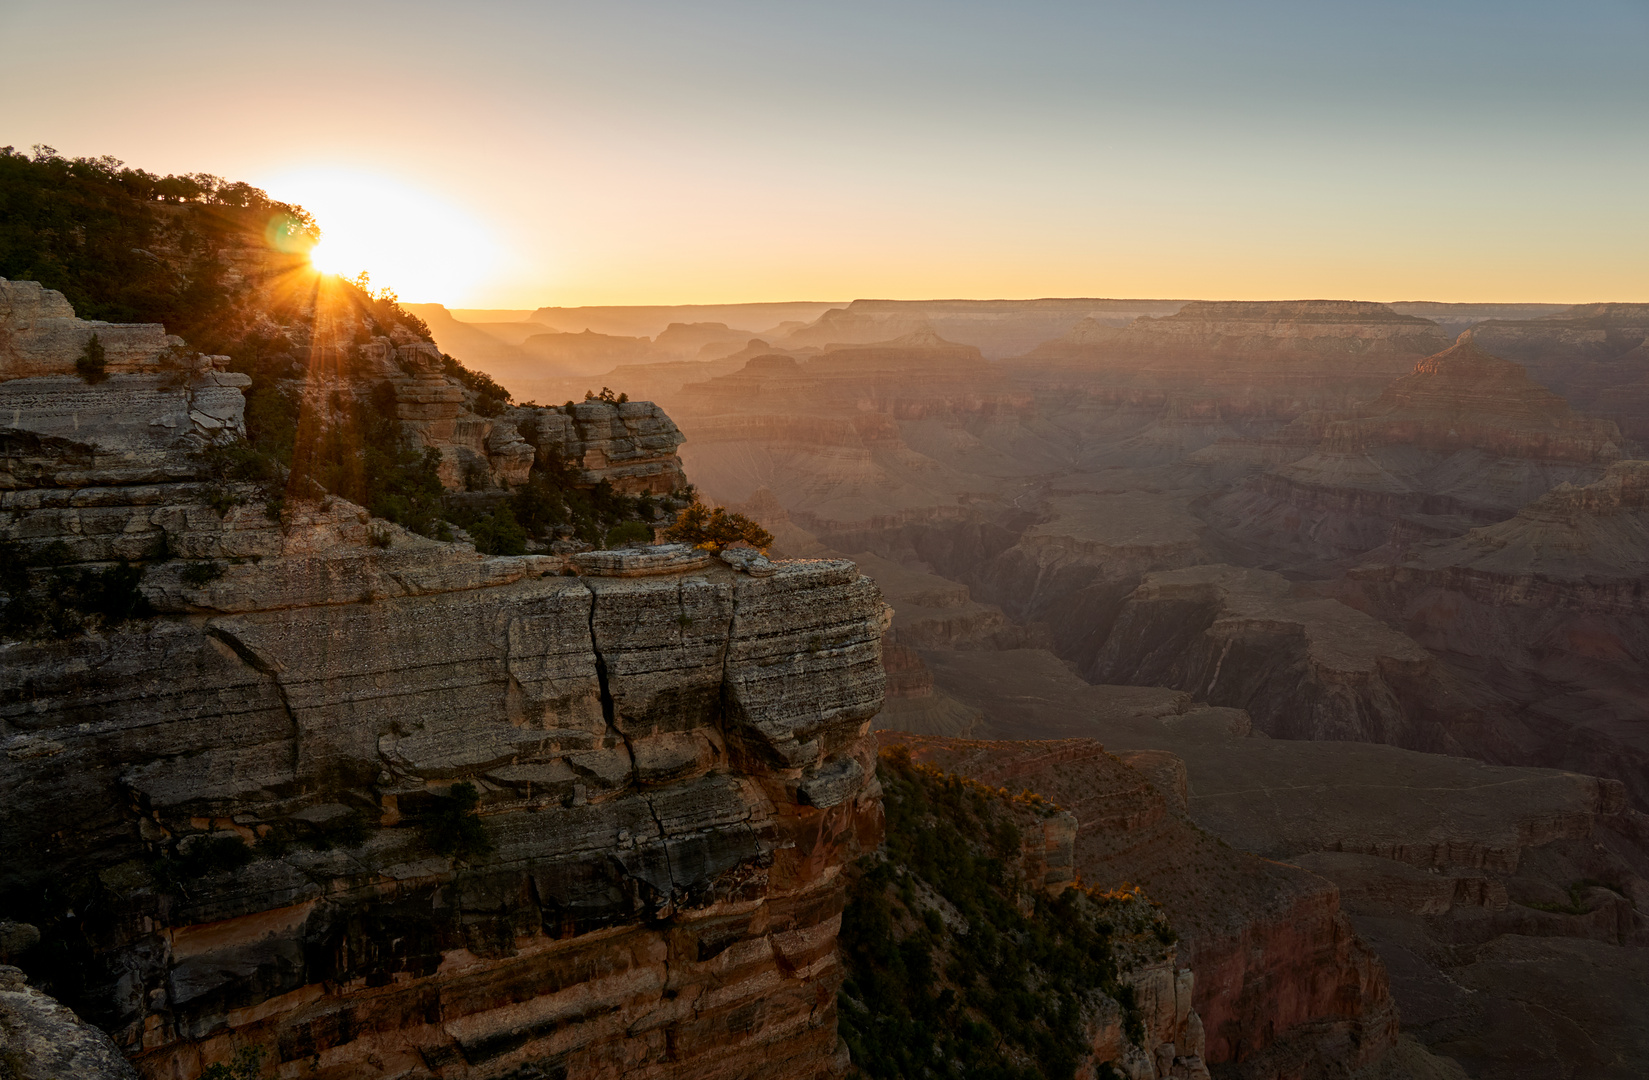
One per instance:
(375, 805)
(1280, 983)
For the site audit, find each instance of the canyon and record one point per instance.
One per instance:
(1313, 626)
(374, 804)
(1360, 581)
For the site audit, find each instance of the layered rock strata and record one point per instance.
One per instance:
(1554, 593)
(1463, 439)
(38, 328)
(665, 814)
(997, 328)
(1592, 354)
(42, 1040)
(1303, 666)
(378, 806)
(1272, 359)
(854, 434)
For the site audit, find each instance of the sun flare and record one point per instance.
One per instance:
(403, 238)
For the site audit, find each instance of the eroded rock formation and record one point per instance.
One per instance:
(379, 806)
(42, 1040)
(1275, 358)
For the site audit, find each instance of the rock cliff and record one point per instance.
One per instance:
(1247, 359)
(1450, 869)
(997, 328)
(1463, 439)
(376, 805)
(1592, 354)
(1554, 596)
(857, 432)
(42, 1040)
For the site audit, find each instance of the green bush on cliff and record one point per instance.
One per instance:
(247, 1064)
(42, 596)
(997, 985)
(551, 500)
(716, 529)
(498, 533)
(450, 827)
(93, 363)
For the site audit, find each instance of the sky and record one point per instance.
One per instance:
(512, 155)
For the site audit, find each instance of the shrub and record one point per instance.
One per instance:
(246, 1065)
(199, 574)
(451, 828)
(92, 364)
(498, 533)
(64, 601)
(716, 529)
(629, 534)
(606, 395)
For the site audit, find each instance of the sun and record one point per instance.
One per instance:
(326, 258)
(425, 249)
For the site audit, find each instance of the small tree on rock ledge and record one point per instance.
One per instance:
(716, 529)
(92, 364)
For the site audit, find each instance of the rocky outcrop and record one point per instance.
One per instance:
(1071, 571)
(1466, 397)
(1281, 985)
(632, 445)
(159, 393)
(38, 328)
(1304, 327)
(855, 433)
(378, 806)
(42, 1040)
(1445, 865)
(997, 328)
(1304, 667)
(1592, 354)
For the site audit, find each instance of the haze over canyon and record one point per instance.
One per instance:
(919, 541)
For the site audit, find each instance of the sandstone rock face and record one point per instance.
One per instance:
(1554, 594)
(38, 330)
(670, 771)
(1302, 326)
(227, 821)
(632, 446)
(1303, 667)
(1445, 866)
(858, 433)
(42, 1040)
(1464, 439)
(997, 328)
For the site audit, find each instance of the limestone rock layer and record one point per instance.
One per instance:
(372, 805)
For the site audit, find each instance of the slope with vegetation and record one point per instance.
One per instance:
(960, 965)
(226, 267)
